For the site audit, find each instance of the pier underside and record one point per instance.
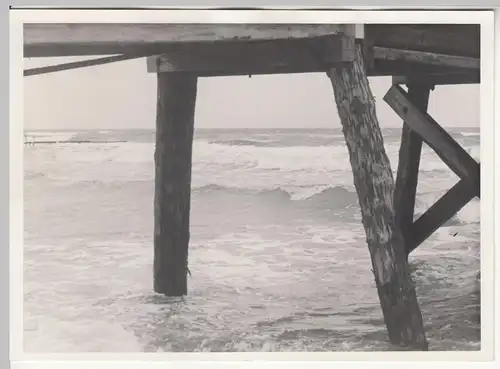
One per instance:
(419, 56)
(438, 54)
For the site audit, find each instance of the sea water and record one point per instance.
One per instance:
(278, 254)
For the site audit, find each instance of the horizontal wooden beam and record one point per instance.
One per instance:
(439, 213)
(73, 39)
(432, 133)
(435, 79)
(451, 39)
(79, 64)
(426, 58)
(306, 55)
(383, 67)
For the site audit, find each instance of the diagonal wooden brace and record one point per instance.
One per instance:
(451, 153)
(433, 134)
(439, 213)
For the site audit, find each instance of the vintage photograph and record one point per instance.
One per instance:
(251, 187)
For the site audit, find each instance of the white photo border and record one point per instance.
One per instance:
(18, 17)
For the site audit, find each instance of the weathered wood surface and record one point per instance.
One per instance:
(420, 126)
(375, 185)
(259, 57)
(172, 201)
(384, 67)
(443, 60)
(72, 39)
(435, 79)
(451, 39)
(408, 166)
(77, 65)
(432, 133)
(442, 211)
(67, 39)
(305, 55)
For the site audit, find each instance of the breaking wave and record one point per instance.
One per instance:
(254, 142)
(290, 193)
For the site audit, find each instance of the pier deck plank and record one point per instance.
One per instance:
(66, 39)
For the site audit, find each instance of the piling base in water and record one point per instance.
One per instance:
(375, 186)
(172, 202)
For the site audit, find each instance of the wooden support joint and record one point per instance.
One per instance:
(432, 133)
(418, 122)
(442, 211)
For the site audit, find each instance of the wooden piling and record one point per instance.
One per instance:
(375, 186)
(408, 166)
(172, 199)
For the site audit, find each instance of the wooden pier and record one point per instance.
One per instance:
(418, 56)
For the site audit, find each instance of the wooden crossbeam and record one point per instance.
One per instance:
(426, 58)
(305, 55)
(442, 211)
(452, 39)
(74, 39)
(383, 67)
(432, 133)
(443, 78)
(78, 64)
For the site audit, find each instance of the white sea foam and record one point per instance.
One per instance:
(46, 334)
(475, 152)
(302, 193)
(470, 134)
(302, 172)
(290, 168)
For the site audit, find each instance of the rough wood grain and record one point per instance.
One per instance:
(442, 211)
(71, 39)
(305, 55)
(375, 185)
(173, 160)
(444, 60)
(408, 166)
(432, 133)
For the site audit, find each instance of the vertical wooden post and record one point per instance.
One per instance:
(172, 200)
(375, 186)
(408, 166)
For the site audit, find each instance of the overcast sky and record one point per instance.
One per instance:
(123, 95)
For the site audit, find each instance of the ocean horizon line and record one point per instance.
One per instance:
(222, 129)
